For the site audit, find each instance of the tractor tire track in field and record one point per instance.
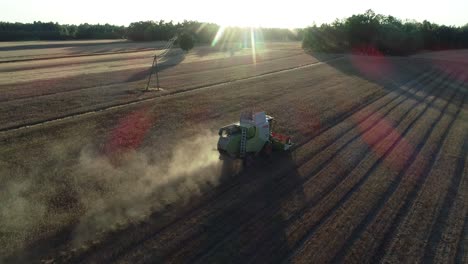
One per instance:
(335, 121)
(151, 98)
(301, 246)
(322, 165)
(363, 226)
(410, 198)
(254, 199)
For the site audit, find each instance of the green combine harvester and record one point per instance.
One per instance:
(251, 137)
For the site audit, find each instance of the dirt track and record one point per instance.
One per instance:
(378, 173)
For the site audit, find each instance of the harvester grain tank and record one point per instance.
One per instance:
(251, 137)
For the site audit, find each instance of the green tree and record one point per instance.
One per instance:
(186, 41)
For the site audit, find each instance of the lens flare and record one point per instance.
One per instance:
(252, 40)
(218, 36)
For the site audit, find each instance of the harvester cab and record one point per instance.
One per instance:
(250, 137)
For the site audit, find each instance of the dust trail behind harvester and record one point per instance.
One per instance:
(97, 192)
(135, 187)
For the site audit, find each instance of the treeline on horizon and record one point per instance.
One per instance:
(138, 31)
(363, 33)
(371, 33)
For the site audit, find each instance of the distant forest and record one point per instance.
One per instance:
(365, 33)
(371, 33)
(138, 31)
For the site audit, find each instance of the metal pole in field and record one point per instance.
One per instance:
(157, 71)
(155, 63)
(151, 73)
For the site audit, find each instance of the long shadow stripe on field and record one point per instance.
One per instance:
(361, 227)
(411, 197)
(315, 171)
(151, 98)
(440, 223)
(301, 243)
(237, 180)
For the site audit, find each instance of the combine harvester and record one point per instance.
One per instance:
(251, 137)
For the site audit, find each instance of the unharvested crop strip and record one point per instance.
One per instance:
(370, 217)
(449, 200)
(301, 243)
(404, 210)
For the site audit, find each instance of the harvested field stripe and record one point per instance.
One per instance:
(441, 222)
(326, 162)
(302, 244)
(376, 210)
(182, 91)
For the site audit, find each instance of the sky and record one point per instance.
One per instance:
(284, 14)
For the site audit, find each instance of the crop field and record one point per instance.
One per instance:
(94, 170)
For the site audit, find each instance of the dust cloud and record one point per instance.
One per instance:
(97, 192)
(131, 187)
